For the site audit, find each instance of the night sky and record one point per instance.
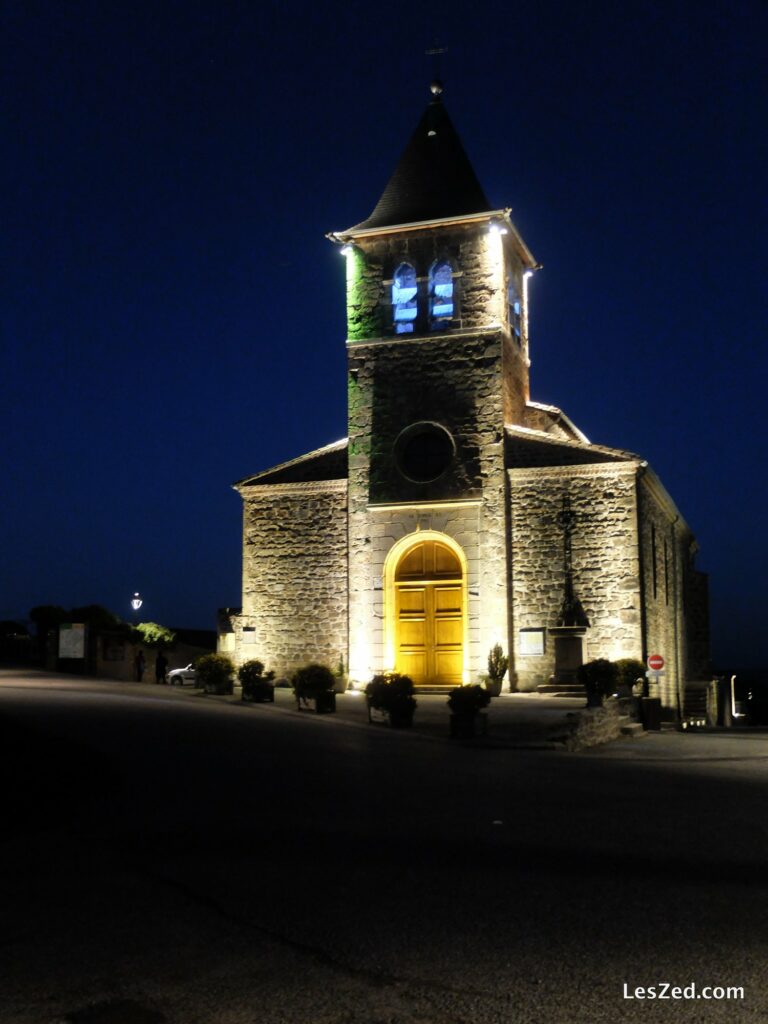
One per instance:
(173, 315)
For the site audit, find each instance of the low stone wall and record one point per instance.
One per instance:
(591, 727)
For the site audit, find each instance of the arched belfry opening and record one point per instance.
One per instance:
(426, 609)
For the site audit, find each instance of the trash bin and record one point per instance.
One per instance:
(650, 710)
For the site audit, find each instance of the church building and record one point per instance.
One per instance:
(458, 513)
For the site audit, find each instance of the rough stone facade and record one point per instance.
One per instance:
(674, 592)
(462, 522)
(469, 378)
(605, 560)
(294, 575)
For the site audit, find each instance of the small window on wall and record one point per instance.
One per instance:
(404, 298)
(515, 314)
(440, 293)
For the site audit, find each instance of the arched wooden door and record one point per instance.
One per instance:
(429, 615)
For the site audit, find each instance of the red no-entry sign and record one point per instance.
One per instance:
(655, 662)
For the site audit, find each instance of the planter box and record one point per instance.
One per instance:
(325, 703)
(219, 691)
(395, 719)
(401, 719)
(264, 694)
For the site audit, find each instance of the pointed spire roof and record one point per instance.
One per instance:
(434, 178)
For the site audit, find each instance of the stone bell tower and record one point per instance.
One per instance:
(437, 365)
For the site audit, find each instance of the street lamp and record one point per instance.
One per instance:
(136, 602)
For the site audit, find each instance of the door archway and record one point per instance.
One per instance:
(426, 609)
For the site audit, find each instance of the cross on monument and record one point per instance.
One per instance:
(571, 612)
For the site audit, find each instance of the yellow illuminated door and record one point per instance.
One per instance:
(429, 622)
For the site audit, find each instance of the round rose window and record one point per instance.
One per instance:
(424, 451)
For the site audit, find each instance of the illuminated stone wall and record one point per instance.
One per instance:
(294, 575)
(674, 592)
(483, 263)
(605, 559)
(457, 383)
(470, 378)
(385, 527)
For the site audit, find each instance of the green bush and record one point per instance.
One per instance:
(630, 670)
(498, 663)
(256, 684)
(391, 691)
(468, 700)
(215, 673)
(154, 635)
(599, 678)
(252, 671)
(311, 680)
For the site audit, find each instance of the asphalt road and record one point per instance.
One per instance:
(171, 858)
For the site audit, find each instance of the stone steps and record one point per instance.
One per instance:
(562, 689)
(634, 730)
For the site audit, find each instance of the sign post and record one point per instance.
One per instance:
(655, 663)
(651, 706)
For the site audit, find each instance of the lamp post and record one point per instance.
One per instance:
(136, 602)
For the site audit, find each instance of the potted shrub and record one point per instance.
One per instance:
(599, 678)
(498, 663)
(466, 703)
(215, 673)
(342, 678)
(392, 694)
(631, 671)
(315, 682)
(257, 686)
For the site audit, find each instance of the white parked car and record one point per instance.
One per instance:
(180, 676)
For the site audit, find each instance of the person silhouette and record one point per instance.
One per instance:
(161, 667)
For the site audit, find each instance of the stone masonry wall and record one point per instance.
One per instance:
(483, 265)
(294, 575)
(605, 560)
(469, 377)
(665, 540)
(454, 381)
(462, 523)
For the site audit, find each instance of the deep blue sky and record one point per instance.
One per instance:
(173, 316)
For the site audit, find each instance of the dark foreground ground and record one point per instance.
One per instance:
(169, 858)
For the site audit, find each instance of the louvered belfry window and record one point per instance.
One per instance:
(440, 293)
(404, 289)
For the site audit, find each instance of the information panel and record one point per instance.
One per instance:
(532, 641)
(72, 640)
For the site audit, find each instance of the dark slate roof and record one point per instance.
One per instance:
(328, 463)
(434, 178)
(527, 448)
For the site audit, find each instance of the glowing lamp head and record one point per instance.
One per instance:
(136, 602)
(497, 228)
(347, 250)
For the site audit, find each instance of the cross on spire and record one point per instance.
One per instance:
(436, 52)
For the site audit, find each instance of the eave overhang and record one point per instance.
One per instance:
(352, 235)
